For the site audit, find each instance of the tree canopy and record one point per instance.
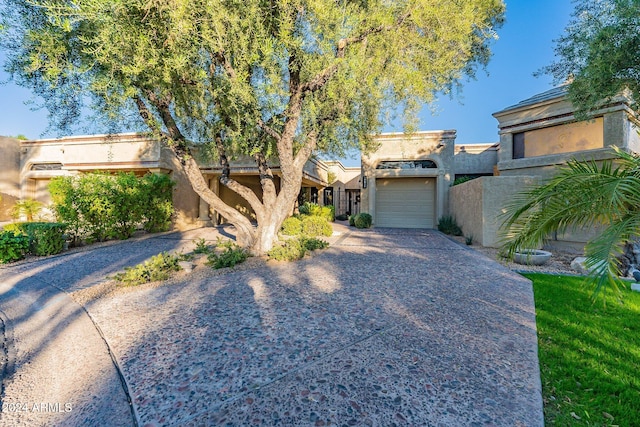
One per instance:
(599, 54)
(276, 80)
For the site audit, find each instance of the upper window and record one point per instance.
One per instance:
(46, 166)
(407, 164)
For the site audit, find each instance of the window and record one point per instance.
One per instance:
(407, 164)
(518, 145)
(46, 166)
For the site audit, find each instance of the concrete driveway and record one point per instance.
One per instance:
(386, 327)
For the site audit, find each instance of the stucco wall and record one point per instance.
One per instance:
(475, 159)
(437, 146)
(478, 205)
(9, 175)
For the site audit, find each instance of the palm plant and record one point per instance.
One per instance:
(583, 195)
(27, 207)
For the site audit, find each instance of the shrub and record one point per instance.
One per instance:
(352, 219)
(448, 225)
(362, 220)
(313, 209)
(342, 217)
(462, 179)
(100, 206)
(45, 238)
(13, 246)
(313, 226)
(230, 255)
(294, 249)
(159, 267)
(201, 247)
(292, 226)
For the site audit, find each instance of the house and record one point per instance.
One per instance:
(32, 164)
(537, 135)
(408, 182)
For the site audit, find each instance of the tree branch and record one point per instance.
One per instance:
(244, 192)
(269, 130)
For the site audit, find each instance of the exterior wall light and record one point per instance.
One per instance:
(364, 182)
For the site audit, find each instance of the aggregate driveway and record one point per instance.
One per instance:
(386, 327)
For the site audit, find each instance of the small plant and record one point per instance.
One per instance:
(13, 246)
(468, 240)
(292, 226)
(313, 226)
(158, 267)
(201, 246)
(352, 220)
(28, 207)
(448, 225)
(342, 217)
(295, 249)
(313, 209)
(230, 255)
(362, 220)
(45, 238)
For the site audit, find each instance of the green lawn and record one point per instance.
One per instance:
(589, 353)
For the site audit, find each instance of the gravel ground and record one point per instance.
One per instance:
(386, 327)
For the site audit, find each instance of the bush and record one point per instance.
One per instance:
(342, 217)
(159, 267)
(201, 247)
(294, 249)
(313, 226)
(352, 219)
(448, 225)
(362, 220)
(45, 238)
(231, 255)
(313, 209)
(292, 226)
(13, 246)
(100, 206)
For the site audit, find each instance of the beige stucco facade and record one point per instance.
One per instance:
(41, 160)
(435, 146)
(9, 175)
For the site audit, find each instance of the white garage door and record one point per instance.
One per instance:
(405, 202)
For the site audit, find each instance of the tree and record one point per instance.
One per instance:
(276, 80)
(599, 54)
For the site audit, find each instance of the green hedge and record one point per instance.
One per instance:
(13, 246)
(100, 206)
(313, 226)
(45, 238)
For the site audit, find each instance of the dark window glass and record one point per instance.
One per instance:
(518, 145)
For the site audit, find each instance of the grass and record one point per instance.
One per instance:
(589, 353)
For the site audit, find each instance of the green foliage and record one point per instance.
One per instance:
(362, 220)
(230, 255)
(157, 268)
(201, 247)
(598, 54)
(583, 195)
(100, 206)
(28, 207)
(294, 249)
(292, 226)
(313, 209)
(352, 220)
(589, 353)
(468, 240)
(448, 225)
(45, 238)
(462, 179)
(313, 226)
(13, 246)
(342, 217)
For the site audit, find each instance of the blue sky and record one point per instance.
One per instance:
(524, 46)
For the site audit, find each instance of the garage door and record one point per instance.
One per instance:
(405, 202)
